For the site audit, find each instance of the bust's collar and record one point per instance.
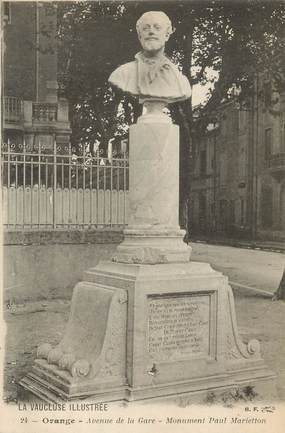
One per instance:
(152, 60)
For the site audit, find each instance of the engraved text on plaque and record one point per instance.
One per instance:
(178, 326)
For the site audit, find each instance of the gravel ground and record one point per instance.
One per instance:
(32, 323)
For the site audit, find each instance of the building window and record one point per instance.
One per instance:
(267, 143)
(232, 212)
(7, 12)
(241, 211)
(202, 211)
(223, 209)
(203, 162)
(266, 207)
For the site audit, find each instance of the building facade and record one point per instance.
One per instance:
(32, 111)
(238, 180)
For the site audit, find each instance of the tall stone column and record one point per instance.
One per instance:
(153, 234)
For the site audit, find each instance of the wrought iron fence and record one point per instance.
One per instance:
(61, 189)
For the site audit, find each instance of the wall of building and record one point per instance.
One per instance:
(19, 54)
(222, 189)
(48, 264)
(30, 57)
(47, 61)
(240, 192)
(270, 174)
(33, 113)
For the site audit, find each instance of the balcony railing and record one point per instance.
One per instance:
(13, 109)
(44, 112)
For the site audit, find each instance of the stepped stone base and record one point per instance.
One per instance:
(142, 332)
(152, 246)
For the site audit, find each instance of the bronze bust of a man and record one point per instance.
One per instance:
(152, 76)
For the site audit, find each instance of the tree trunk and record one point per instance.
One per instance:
(280, 292)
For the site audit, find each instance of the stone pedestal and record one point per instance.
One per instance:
(149, 324)
(147, 331)
(153, 234)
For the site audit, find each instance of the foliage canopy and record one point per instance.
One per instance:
(233, 38)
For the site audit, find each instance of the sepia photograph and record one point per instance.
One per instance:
(143, 216)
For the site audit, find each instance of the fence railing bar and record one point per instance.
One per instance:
(97, 188)
(39, 186)
(8, 182)
(32, 190)
(24, 184)
(69, 183)
(83, 175)
(90, 193)
(104, 192)
(76, 207)
(111, 197)
(118, 192)
(16, 191)
(54, 181)
(62, 190)
(46, 190)
(124, 188)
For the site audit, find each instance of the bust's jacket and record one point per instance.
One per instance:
(149, 78)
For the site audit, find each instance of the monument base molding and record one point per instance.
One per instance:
(139, 332)
(262, 383)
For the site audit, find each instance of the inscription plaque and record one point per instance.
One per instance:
(178, 326)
